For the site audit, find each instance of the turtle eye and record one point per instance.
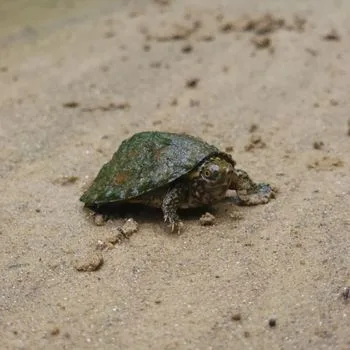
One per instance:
(211, 172)
(207, 173)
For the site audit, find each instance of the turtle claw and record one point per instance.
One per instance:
(174, 225)
(179, 225)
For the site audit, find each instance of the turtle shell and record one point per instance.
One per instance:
(147, 161)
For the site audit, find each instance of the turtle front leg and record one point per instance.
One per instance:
(170, 205)
(249, 192)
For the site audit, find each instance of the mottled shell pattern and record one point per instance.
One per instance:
(145, 162)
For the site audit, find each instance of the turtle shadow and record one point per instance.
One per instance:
(145, 214)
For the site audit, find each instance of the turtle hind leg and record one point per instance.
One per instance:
(170, 205)
(249, 192)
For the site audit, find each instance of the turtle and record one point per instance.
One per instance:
(171, 171)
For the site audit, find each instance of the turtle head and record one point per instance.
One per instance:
(210, 181)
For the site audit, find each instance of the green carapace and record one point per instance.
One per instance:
(170, 171)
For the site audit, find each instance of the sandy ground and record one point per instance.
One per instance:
(78, 79)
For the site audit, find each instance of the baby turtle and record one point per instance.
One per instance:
(171, 171)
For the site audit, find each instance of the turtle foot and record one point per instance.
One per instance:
(261, 194)
(175, 225)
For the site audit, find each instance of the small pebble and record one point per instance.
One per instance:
(267, 24)
(261, 42)
(346, 294)
(90, 261)
(236, 317)
(192, 83)
(318, 145)
(123, 232)
(332, 35)
(272, 322)
(55, 331)
(70, 104)
(207, 219)
(99, 220)
(103, 244)
(253, 127)
(114, 237)
(187, 48)
(130, 227)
